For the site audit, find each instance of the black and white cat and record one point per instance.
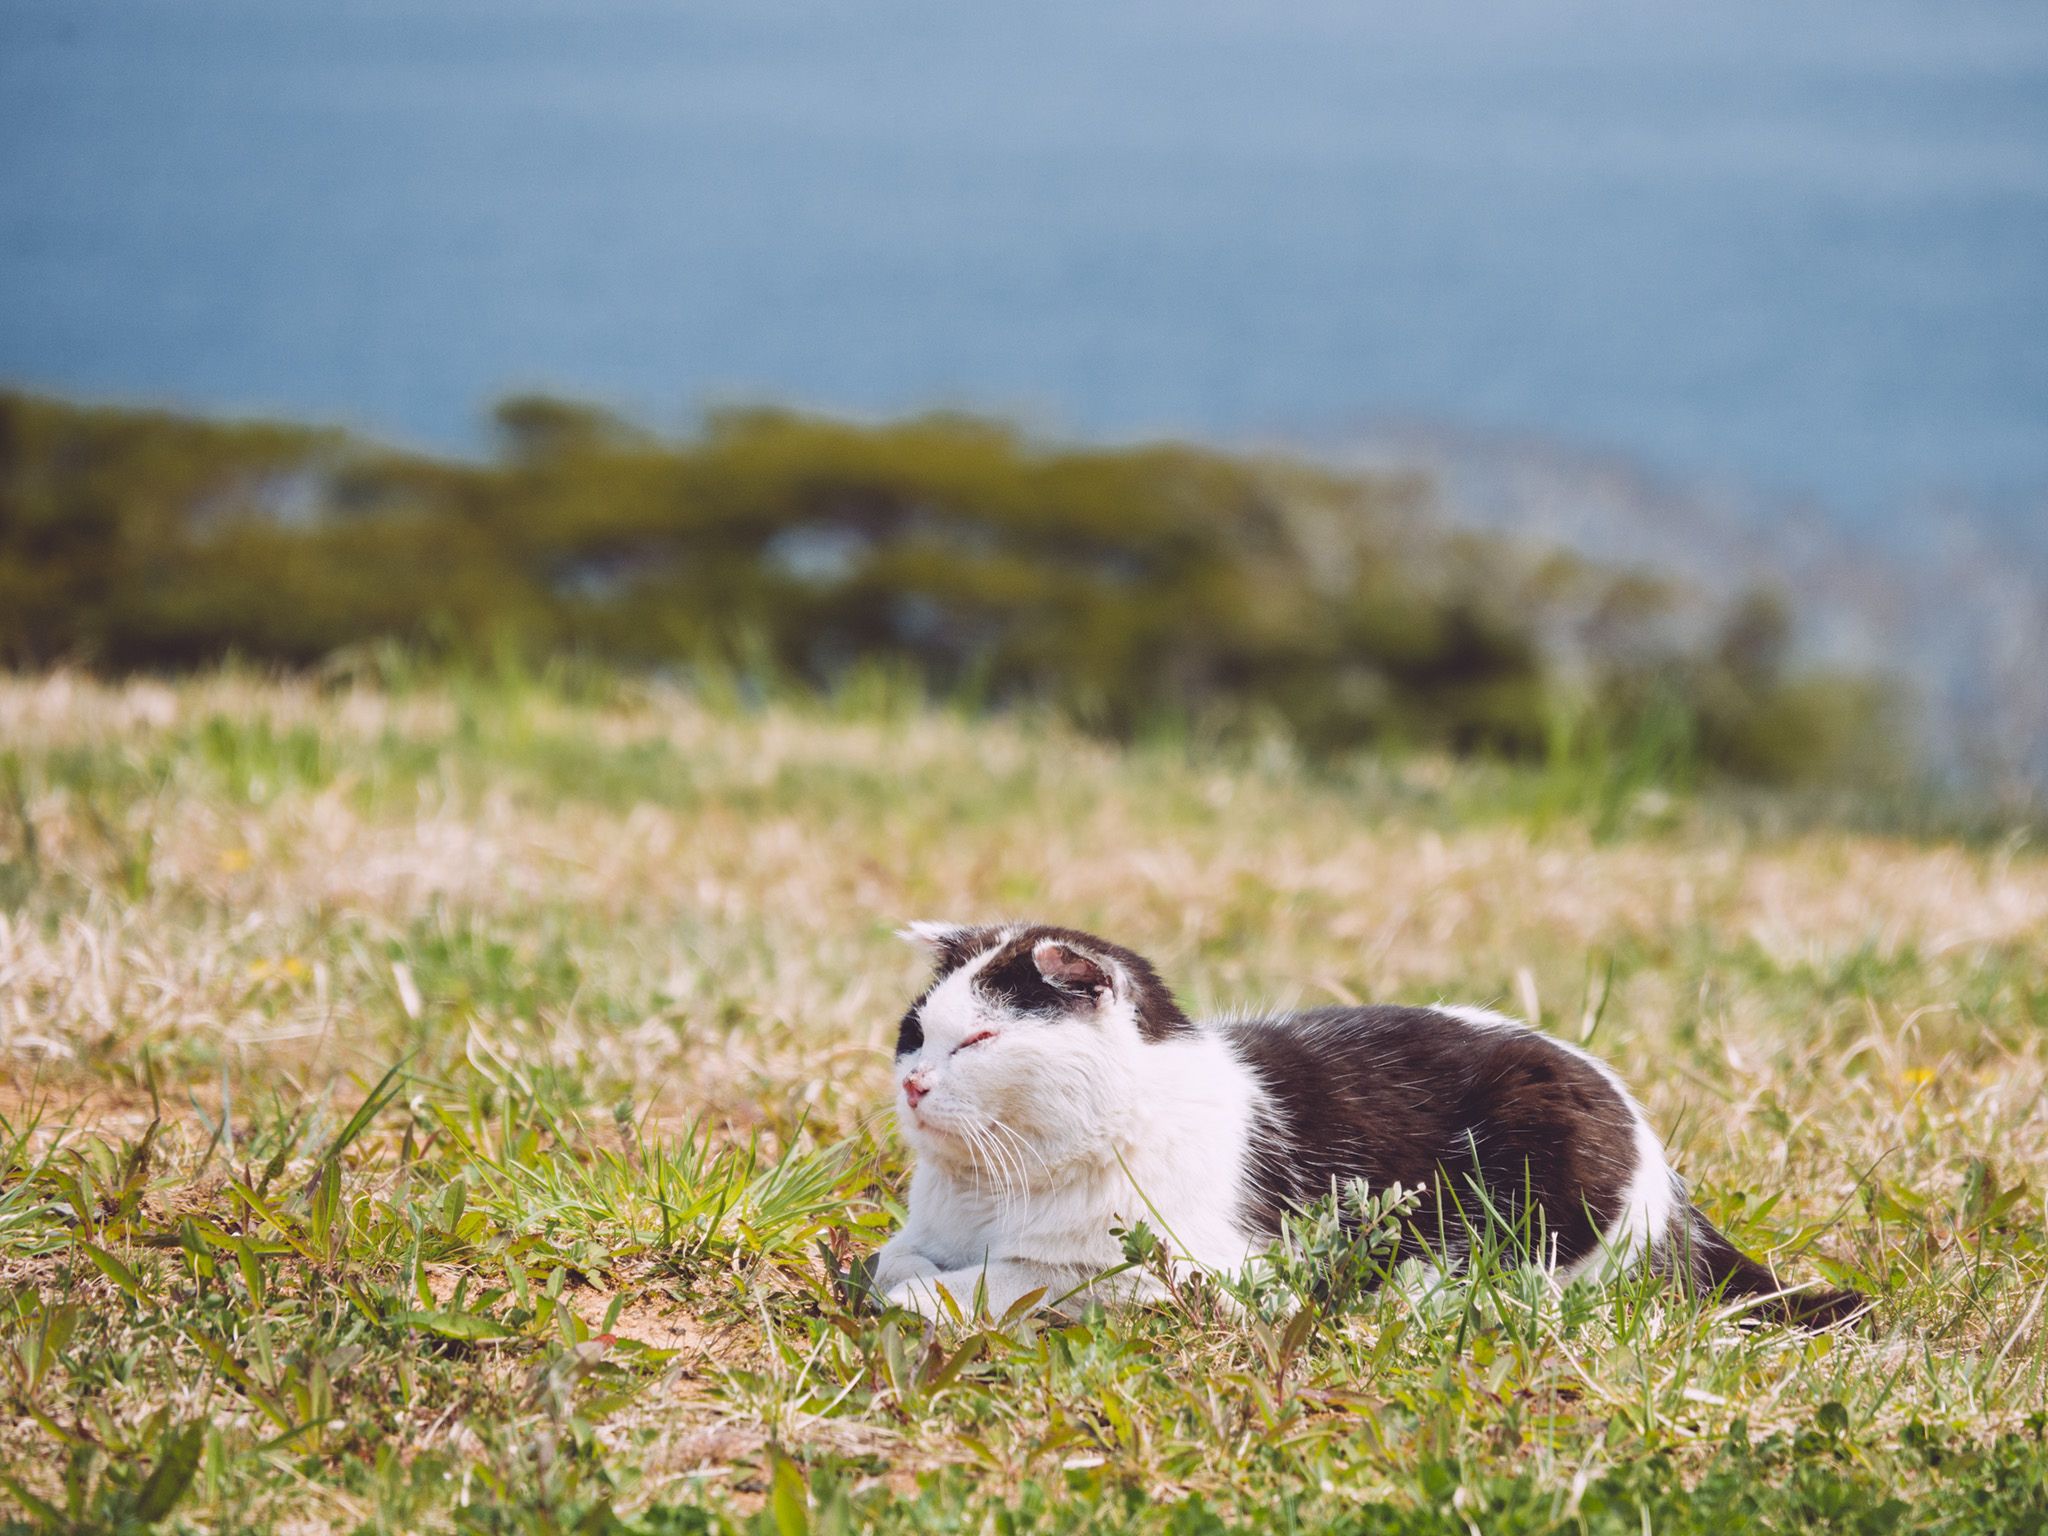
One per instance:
(1054, 1091)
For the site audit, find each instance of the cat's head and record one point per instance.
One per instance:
(1024, 1052)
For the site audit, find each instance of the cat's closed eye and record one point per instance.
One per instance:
(984, 1036)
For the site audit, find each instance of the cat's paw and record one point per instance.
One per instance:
(894, 1269)
(918, 1294)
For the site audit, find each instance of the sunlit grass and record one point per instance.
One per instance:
(461, 1107)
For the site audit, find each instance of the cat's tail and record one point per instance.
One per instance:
(1710, 1265)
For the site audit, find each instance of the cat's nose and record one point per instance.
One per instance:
(914, 1089)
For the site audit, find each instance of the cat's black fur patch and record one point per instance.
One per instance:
(1011, 980)
(1436, 1103)
(910, 1033)
(1011, 977)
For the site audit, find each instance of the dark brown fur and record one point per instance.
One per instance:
(1489, 1124)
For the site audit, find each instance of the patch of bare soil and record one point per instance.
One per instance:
(646, 1316)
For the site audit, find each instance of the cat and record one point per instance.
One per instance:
(1054, 1092)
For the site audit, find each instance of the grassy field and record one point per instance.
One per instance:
(463, 1108)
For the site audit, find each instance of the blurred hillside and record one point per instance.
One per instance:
(1951, 604)
(1130, 588)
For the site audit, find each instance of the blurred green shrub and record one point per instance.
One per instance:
(1129, 587)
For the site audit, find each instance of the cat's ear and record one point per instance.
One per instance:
(952, 945)
(937, 937)
(1070, 970)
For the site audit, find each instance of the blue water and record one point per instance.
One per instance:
(1804, 244)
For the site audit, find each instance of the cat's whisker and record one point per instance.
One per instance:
(1020, 1182)
(980, 1146)
(1027, 1145)
(1020, 1149)
(1015, 1189)
(998, 1174)
(972, 1142)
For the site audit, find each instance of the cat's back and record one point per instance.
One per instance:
(1393, 1094)
(1329, 1056)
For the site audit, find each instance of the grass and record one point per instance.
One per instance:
(461, 1107)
